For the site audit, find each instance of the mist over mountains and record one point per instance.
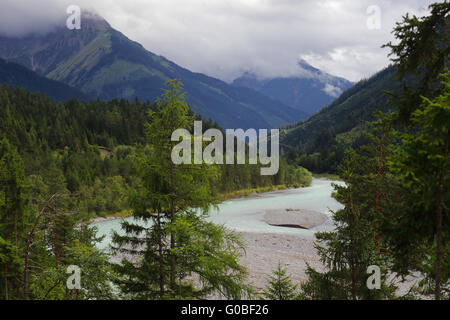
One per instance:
(308, 92)
(102, 62)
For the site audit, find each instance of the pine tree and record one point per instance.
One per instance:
(416, 232)
(422, 163)
(355, 243)
(173, 244)
(280, 286)
(13, 218)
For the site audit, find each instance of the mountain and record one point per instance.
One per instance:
(319, 142)
(102, 62)
(16, 75)
(308, 93)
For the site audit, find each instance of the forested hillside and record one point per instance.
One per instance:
(14, 75)
(319, 142)
(87, 146)
(396, 201)
(381, 233)
(102, 62)
(64, 163)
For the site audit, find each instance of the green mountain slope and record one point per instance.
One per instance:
(319, 142)
(16, 75)
(102, 62)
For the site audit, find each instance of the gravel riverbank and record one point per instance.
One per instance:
(265, 250)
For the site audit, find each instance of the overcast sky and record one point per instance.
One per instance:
(224, 38)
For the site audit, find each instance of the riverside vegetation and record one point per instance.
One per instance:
(53, 178)
(65, 163)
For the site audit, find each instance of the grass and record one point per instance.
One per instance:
(119, 214)
(329, 176)
(222, 197)
(251, 191)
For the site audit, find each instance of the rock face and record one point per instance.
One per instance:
(295, 218)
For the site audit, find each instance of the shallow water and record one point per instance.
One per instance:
(246, 214)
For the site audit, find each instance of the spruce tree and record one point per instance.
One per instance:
(173, 252)
(356, 243)
(419, 234)
(280, 286)
(13, 218)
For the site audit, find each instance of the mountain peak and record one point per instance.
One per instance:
(306, 66)
(308, 91)
(102, 62)
(91, 19)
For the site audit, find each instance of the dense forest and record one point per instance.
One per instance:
(62, 164)
(88, 145)
(14, 75)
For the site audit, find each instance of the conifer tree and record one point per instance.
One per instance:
(173, 252)
(355, 243)
(280, 286)
(422, 163)
(13, 218)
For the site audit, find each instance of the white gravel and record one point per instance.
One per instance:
(265, 250)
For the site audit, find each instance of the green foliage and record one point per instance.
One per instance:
(82, 154)
(280, 286)
(319, 143)
(355, 244)
(95, 277)
(16, 75)
(12, 193)
(104, 63)
(10, 269)
(208, 253)
(177, 254)
(396, 198)
(13, 219)
(423, 46)
(422, 164)
(421, 54)
(419, 231)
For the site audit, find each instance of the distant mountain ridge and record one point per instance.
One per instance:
(14, 75)
(307, 93)
(320, 141)
(102, 62)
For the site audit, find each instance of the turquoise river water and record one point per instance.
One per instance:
(246, 214)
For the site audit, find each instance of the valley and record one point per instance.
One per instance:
(126, 175)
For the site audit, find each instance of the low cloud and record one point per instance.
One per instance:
(332, 90)
(225, 38)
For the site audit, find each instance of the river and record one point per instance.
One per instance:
(246, 214)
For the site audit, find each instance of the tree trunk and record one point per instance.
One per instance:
(161, 259)
(437, 292)
(15, 229)
(6, 283)
(172, 236)
(352, 259)
(25, 268)
(440, 207)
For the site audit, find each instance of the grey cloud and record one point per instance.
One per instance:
(224, 38)
(332, 90)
